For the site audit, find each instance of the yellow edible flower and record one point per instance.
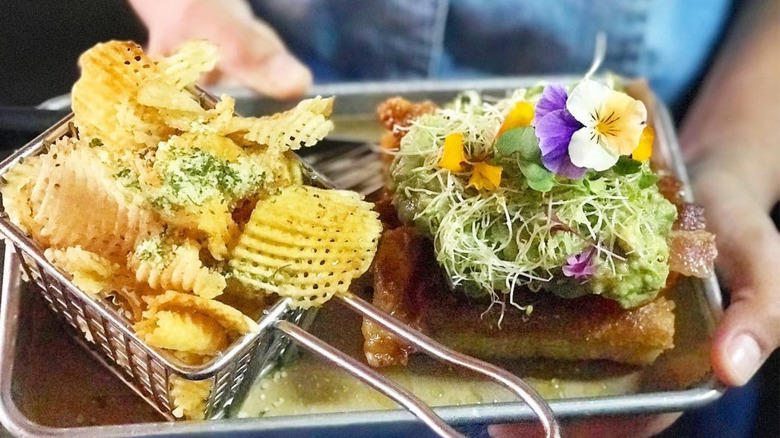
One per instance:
(521, 115)
(644, 151)
(453, 154)
(485, 176)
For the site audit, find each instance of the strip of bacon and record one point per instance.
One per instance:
(690, 217)
(692, 249)
(397, 113)
(671, 188)
(403, 277)
(692, 253)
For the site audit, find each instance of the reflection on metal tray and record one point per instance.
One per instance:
(620, 391)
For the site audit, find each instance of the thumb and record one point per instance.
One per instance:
(749, 258)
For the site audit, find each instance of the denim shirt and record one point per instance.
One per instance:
(667, 41)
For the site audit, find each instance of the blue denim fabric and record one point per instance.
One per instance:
(667, 41)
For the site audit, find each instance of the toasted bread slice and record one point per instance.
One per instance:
(589, 327)
(407, 283)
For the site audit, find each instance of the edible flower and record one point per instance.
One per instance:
(612, 125)
(554, 127)
(580, 266)
(453, 155)
(520, 115)
(644, 151)
(485, 176)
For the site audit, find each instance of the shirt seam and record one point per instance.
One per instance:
(437, 37)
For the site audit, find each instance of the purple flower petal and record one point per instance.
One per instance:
(553, 99)
(562, 165)
(580, 265)
(554, 126)
(554, 131)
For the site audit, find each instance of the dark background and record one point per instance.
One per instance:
(40, 44)
(42, 39)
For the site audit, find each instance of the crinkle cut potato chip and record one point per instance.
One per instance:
(307, 244)
(91, 272)
(178, 267)
(229, 318)
(17, 190)
(214, 219)
(101, 279)
(105, 96)
(70, 181)
(189, 397)
(191, 59)
(304, 125)
(164, 96)
(183, 330)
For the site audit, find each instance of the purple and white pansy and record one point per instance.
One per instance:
(587, 129)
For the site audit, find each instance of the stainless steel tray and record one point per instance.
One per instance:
(354, 116)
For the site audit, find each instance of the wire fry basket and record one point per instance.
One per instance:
(109, 335)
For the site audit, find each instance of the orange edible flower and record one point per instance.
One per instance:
(645, 148)
(453, 154)
(485, 176)
(521, 115)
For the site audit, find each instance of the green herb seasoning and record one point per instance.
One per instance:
(195, 176)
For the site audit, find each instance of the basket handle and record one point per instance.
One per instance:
(515, 384)
(401, 395)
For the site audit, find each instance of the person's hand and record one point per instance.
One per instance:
(738, 187)
(251, 51)
(731, 134)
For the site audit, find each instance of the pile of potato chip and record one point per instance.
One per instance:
(171, 211)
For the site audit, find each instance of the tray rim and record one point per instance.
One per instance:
(641, 403)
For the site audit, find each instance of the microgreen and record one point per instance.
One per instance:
(489, 242)
(627, 166)
(522, 142)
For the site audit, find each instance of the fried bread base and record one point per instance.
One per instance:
(408, 284)
(590, 327)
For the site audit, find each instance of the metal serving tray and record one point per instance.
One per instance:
(355, 120)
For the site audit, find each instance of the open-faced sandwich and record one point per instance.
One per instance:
(537, 225)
